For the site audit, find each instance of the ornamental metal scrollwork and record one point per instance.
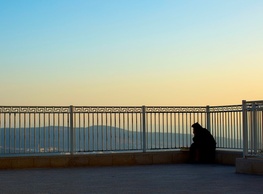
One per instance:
(33, 109)
(106, 109)
(254, 105)
(124, 109)
(176, 109)
(232, 108)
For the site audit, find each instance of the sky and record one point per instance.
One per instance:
(130, 52)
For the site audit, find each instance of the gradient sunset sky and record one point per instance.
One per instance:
(130, 52)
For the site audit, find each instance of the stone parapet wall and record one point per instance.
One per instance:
(249, 165)
(109, 159)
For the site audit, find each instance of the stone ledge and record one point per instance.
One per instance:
(227, 157)
(109, 159)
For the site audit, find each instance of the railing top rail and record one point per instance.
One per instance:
(34, 109)
(119, 109)
(128, 109)
(175, 109)
(255, 101)
(107, 109)
(254, 105)
(227, 108)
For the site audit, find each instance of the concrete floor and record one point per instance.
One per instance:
(172, 178)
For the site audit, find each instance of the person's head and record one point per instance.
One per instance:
(196, 127)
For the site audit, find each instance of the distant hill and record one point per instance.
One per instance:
(93, 138)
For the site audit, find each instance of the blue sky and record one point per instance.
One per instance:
(130, 52)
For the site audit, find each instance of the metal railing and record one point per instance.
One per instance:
(253, 128)
(86, 129)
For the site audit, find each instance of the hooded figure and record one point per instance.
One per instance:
(203, 147)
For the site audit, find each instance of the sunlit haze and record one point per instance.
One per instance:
(130, 52)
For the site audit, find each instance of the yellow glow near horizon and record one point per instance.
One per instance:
(146, 53)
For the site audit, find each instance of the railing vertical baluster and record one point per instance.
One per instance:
(128, 129)
(71, 130)
(144, 127)
(39, 131)
(239, 132)
(93, 131)
(63, 133)
(58, 132)
(75, 131)
(106, 132)
(171, 131)
(24, 132)
(119, 124)
(159, 131)
(254, 127)
(208, 122)
(221, 129)
(179, 130)
(102, 131)
(84, 130)
(4, 132)
(183, 115)
(14, 132)
(79, 127)
(132, 115)
(111, 140)
(163, 135)
(49, 132)
(155, 136)
(227, 129)
(115, 130)
(123, 131)
(54, 130)
(167, 122)
(175, 133)
(224, 129)
(9, 132)
(185, 129)
(190, 123)
(261, 127)
(34, 132)
(97, 130)
(234, 118)
(89, 131)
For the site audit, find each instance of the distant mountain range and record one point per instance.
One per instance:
(93, 138)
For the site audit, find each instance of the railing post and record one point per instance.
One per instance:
(254, 128)
(208, 123)
(72, 139)
(245, 132)
(143, 129)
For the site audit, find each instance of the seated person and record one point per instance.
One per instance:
(203, 148)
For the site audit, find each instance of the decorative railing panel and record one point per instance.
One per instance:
(85, 129)
(253, 128)
(107, 128)
(34, 130)
(226, 126)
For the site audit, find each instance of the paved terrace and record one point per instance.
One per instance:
(165, 178)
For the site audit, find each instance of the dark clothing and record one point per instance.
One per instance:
(203, 148)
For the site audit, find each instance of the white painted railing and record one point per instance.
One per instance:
(253, 128)
(86, 129)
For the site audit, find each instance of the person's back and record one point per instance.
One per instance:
(203, 148)
(209, 146)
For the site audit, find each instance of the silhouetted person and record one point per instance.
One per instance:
(203, 148)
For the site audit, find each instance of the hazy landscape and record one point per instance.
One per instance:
(93, 138)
